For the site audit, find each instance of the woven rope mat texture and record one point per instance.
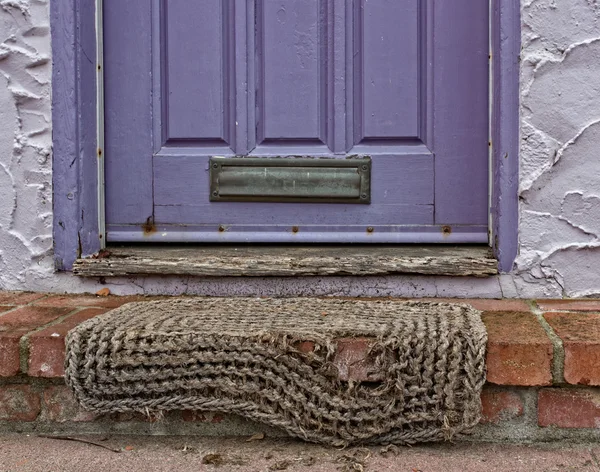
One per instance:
(240, 355)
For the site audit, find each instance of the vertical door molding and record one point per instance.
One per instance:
(74, 163)
(506, 49)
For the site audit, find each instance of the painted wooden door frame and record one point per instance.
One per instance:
(76, 146)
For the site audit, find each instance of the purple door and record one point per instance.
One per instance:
(404, 82)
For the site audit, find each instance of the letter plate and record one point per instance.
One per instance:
(277, 179)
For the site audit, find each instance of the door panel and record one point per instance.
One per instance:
(461, 94)
(128, 124)
(198, 76)
(404, 82)
(406, 191)
(307, 219)
(387, 69)
(292, 71)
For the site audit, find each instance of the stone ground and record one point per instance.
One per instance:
(28, 453)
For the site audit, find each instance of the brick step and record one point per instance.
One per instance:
(544, 353)
(509, 413)
(530, 344)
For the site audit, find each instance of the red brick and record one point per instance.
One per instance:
(518, 351)
(569, 408)
(59, 405)
(569, 305)
(18, 403)
(500, 405)
(88, 301)
(305, 346)
(201, 416)
(47, 347)
(10, 364)
(353, 361)
(14, 325)
(580, 333)
(351, 358)
(30, 317)
(19, 298)
(489, 304)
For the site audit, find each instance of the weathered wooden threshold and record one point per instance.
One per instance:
(289, 261)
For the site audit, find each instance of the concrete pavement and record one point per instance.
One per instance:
(28, 453)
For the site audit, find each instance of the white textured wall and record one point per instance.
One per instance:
(560, 170)
(25, 142)
(560, 149)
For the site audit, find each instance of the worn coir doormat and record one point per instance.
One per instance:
(241, 355)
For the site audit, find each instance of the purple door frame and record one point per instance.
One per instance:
(75, 148)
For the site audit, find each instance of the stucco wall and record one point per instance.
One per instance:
(560, 170)
(560, 148)
(25, 143)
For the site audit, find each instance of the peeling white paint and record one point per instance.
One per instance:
(560, 171)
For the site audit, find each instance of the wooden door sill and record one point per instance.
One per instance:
(289, 261)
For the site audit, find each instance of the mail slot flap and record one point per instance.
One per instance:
(290, 180)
